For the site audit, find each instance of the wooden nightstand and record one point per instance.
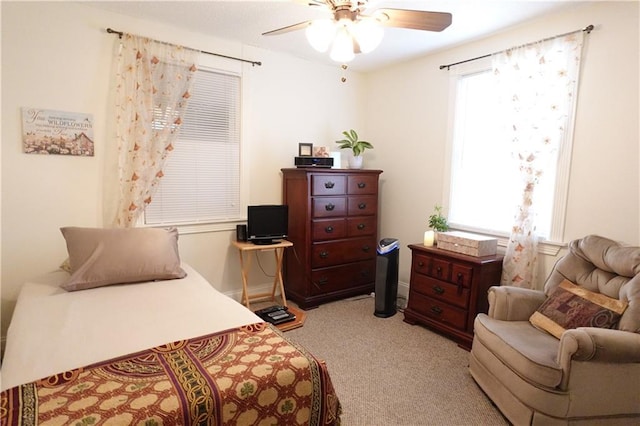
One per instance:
(447, 290)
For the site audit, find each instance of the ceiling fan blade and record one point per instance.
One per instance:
(294, 27)
(413, 19)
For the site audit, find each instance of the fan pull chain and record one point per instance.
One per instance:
(344, 68)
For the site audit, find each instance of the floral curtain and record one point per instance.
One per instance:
(152, 85)
(537, 85)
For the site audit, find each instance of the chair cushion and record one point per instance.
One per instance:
(529, 352)
(571, 306)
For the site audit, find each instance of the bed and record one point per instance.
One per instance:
(163, 351)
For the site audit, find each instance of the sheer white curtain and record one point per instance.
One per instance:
(152, 84)
(537, 86)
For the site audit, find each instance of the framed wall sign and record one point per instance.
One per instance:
(47, 131)
(305, 149)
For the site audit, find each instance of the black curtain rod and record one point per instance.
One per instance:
(586, 29)
(254, 63)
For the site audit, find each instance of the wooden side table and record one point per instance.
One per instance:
(447, 290)
(245, 266)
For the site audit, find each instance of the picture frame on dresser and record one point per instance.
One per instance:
(321, 151)
(305, 149)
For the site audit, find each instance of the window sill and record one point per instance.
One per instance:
(201, 228)
(549, 248)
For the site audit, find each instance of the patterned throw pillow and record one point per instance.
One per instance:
(571, 306)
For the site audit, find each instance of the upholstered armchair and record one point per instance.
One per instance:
(586, 375)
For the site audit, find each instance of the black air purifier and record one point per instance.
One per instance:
(386, 288)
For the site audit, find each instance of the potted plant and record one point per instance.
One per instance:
(356, 145)
(437, 222)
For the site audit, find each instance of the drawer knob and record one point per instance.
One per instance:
(436, 310)
(366, 248)
(360, 226)
(324, 254)
(421, 264)
(437, 289)
(362, 206)
(328, 229)
(329, 207)
(323, 280)
(361, 185)
(439, 270)
(329, 185)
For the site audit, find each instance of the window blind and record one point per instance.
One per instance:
(201, 182)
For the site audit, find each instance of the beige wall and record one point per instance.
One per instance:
(407, 111)
(57, 56)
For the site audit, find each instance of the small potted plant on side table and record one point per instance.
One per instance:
(437, 222)
(357, 146)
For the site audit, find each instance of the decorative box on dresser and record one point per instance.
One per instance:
(333, 220)
(447, 290)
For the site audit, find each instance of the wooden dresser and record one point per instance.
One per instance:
(333, 220)
(447, 290)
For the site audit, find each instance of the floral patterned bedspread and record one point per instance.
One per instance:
(250, 375)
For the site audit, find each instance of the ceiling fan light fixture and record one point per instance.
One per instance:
(342, 48)
(368, 34)
(357, 29)
(320, 34)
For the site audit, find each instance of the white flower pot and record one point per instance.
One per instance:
(355, 162)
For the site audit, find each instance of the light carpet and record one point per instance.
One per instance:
(387, 372)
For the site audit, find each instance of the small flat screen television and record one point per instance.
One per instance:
(266, 224)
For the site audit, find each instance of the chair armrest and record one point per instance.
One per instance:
(508, 303)
(599, 345)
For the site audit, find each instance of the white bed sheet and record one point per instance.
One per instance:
(53, 330)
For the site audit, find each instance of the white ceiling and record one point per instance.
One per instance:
(245, 21)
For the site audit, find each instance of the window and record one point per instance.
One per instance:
(201, 182)
(485, 187)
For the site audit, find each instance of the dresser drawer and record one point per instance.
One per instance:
(440, 269)
(329, 206)
(461, 275)
(421, 263)
(362, 184)
(361, 226)
(342, 277)
(363, 205)
(332, 253)
(328, 185)
(328, 229)
(441, 290)
(438, 310)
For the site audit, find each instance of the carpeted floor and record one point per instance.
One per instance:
(387, 372)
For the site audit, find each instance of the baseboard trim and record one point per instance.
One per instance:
(255, 289)
(403, 292)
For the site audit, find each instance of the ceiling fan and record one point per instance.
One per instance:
(356, 29)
